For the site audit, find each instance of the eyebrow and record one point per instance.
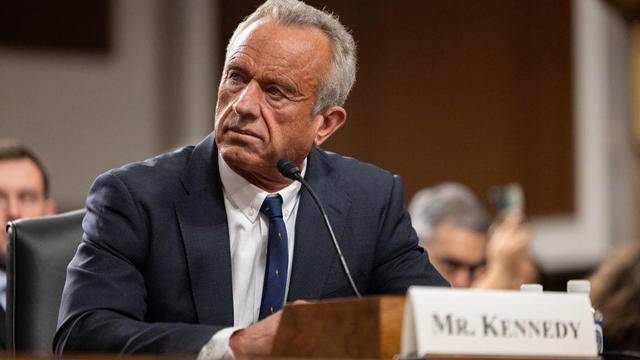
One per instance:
(287, 87)
(238, 65)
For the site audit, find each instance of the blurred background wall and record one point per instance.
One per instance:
(485, 93)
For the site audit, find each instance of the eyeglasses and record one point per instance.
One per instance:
(451, 266)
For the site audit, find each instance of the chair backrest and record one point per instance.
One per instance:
(38, 253)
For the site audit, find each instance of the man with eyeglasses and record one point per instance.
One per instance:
(454, 227)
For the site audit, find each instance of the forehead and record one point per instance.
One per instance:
(459, 243)
(22, 173)
(267, 43)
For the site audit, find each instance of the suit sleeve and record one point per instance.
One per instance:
(103, 304)
(400, 262)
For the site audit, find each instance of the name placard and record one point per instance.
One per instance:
(489, 322)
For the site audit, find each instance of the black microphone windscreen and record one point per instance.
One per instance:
(288, 168)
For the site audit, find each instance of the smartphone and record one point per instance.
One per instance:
(506, 199)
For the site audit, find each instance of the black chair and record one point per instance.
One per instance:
(38, 253)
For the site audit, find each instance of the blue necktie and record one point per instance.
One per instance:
(275, 275)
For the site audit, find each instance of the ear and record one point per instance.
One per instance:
(49, 207)
(332, 119)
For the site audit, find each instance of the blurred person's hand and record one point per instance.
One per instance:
(509, 241)
(508, 246)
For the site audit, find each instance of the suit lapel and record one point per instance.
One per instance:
(314, 254)
(203, 225)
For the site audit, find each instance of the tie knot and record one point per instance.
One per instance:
(272, 206)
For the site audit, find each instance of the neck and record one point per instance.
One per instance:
(269, 180)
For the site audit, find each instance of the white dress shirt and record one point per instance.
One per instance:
(248, 236)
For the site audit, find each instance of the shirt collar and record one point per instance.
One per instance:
(248, 198)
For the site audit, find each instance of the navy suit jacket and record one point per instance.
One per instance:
(153, 272)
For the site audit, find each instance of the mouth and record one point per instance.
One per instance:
(244, 132)
(232, 126)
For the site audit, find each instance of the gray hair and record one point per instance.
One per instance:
(447, 202)
(334, 86)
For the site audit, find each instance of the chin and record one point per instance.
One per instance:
(238, 157)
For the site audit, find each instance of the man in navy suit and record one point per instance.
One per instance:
(173, 258)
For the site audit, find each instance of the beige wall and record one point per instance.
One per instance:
(84, 114)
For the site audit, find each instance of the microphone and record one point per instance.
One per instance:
(289, 169)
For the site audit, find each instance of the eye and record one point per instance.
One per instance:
(27, 197)
(274, 91)
(234, 80)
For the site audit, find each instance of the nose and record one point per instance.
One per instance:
(12, 209)
(461, 278)
(248, 102)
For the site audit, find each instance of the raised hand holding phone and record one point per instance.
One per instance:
(509, 240)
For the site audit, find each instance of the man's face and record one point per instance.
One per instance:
(266, 96)
(458, 254)
(21, 195)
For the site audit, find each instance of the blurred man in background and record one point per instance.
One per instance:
(463, 245)
(24, 193)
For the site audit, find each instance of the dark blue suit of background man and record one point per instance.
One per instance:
(153, 272)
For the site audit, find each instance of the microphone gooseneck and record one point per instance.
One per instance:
(290, 170)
